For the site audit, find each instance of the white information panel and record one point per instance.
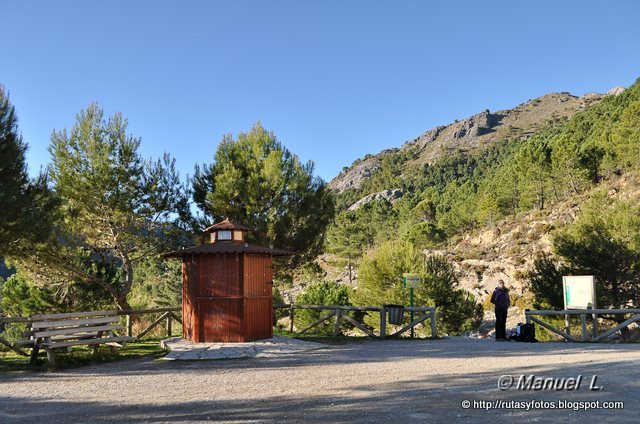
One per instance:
(579, 291)
(411, 280)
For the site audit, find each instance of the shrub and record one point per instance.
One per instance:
(457, 309)
(278, 299)
(425, 234)
(322, 293)
(20, 297)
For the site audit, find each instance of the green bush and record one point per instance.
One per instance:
(425, 234)
(322, 293)
(157, 284)
(278, 299)
(21, 297)
(457, 309)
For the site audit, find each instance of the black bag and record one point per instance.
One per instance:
(524, 333)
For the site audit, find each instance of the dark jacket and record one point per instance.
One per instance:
(500, 298)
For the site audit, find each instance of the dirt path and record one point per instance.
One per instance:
(373, 381)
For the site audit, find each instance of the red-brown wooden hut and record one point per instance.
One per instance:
(226, 287)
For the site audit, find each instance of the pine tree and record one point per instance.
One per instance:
(533, 165)
(116, 209)
(626, 138)
(255, 180)
(347, 240)
(15, 196)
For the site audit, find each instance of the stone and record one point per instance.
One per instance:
(183, 350)
(615, 91)
(389, 195)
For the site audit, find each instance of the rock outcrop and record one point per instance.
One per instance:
(476, 125)
(355, 175)
(615, 91)
(389, 195)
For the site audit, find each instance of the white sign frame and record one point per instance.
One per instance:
(411, 280)
(578, 291)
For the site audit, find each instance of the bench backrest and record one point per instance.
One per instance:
(74, 324)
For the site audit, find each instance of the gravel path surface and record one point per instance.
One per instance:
(371, 381)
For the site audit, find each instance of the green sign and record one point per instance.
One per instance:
(411, 280)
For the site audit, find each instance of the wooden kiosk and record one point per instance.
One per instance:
(227, 287)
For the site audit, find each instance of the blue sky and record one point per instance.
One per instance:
(334, 79)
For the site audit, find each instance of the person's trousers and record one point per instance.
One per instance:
(501, 323)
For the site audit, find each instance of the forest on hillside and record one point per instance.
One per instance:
(86, 233)
(467, 192)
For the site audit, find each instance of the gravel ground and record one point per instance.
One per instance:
(393, 381)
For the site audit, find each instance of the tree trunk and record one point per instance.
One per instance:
(123, 303)
(121, 298)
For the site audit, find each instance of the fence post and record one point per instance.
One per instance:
(567, 324)
(594, 326)
(336, 327)
(583, 319)
(527, 317)
(291, 317)
(434, 327)
(129, 325)
(383, 322)
(169, 325)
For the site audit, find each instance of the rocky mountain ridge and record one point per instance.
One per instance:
(474, 133)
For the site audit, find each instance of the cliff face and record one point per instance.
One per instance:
(356, 174)
(472, 133)
(388, 195)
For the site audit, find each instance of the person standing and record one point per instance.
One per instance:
(500, 298)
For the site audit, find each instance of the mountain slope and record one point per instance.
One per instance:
(471, 134)
(489, 192)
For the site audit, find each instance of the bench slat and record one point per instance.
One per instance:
(63, 323)
(74, 330)
(103, 340)
(40, 317)
(23, 342)
(83, 336)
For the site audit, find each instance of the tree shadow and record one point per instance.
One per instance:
(429, 398)
(371, 351)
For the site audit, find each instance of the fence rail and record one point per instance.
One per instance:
(584, 315)
(168, 315)
(339, 313)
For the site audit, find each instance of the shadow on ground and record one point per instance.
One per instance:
(425, 398)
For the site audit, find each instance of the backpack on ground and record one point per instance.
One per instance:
(524, 333)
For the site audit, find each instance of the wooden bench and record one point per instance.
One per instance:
(63, 331)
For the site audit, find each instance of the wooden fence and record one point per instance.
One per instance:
(339, 313)
(584, 315)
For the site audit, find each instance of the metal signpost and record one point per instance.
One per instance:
(411, 281)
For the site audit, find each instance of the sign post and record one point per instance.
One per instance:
(411, 281)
